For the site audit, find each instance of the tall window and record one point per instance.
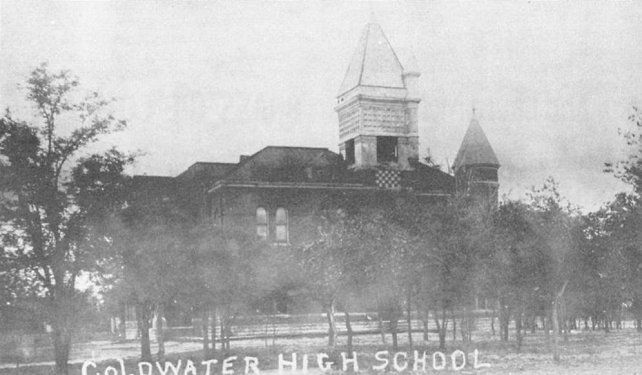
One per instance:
(261, 223)
(281, 225)
(386, 149)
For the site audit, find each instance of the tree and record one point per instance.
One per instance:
(58, 195)
(227, 264)
(156, 266)
(321, 261)
(385, 247)
(625, 216)
(630, 169)
(516, 266)
(451, 237)
(556, 223)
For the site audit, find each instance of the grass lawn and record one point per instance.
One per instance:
(586, 352)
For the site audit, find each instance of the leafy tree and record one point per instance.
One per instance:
(629, 170)
(226, 264)
(517, 266)
(625, 217)
(322, 263)
(156, 266)
(557, 225)
(601, 284)
(58, 195)
(452, 240)
(386, 247)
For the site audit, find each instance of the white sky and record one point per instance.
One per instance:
(207, 81)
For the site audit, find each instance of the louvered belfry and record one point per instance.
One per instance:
(377, 106)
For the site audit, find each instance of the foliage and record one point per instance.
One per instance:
(55, 196)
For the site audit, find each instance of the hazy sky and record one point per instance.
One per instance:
(207, 81)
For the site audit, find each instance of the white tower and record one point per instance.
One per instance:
(377, 106)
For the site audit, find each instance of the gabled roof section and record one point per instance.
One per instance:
(206, 170)
(426, 179)
(374, 62)
(145, 181)
(475, 148)
(150, 187)
(288, 164)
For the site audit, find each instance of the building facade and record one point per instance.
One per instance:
(278, 192)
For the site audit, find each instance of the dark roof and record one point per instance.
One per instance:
(475, 148)
(153, 185)
(291, 164)
(428, 179)
(298, 165)
(144, 180)
(207, 171)
(301, 167)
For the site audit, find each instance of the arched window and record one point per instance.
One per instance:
(261, 223)
(281, 225)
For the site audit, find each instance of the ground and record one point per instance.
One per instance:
(586, 352)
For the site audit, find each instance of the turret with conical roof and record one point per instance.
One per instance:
(476, 164)
(377, 106)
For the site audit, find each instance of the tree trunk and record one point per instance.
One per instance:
(142, 319)
(61, 338)
(454, 325)
(533, 323)
(393, 329)
(205, 334)
(504, 319)
(462, 326)
(425, 323)
(122, 326)
(555, 321)
(518, 328)
(565, 321)
(213, 328)
(409, 318)
(226, 332)
(223, 334)
(556, 333)
(442, 328)
(492, 321)
(466, 325)
(160, 337)
(439, 330)
(332, 324)
(62, 319)
(381, 328)
(349, 330)
(229, 323)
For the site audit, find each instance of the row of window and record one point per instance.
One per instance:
(280, 224)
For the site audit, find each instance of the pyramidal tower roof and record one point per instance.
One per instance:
(475, 148)
(374, 62)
